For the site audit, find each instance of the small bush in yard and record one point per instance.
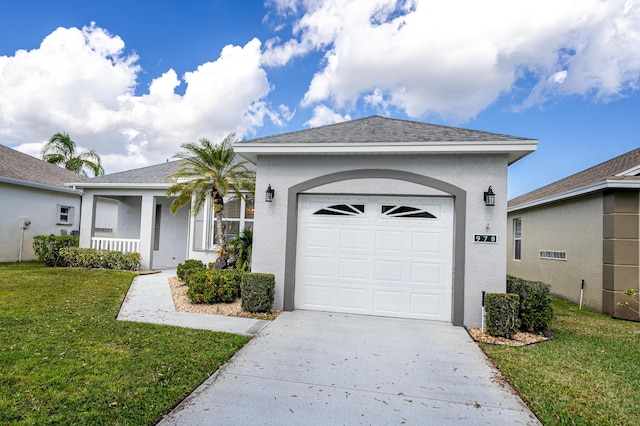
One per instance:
(189, 266)
(258, 292)
(502, 314)
(213, 286)
(535, 310)
(76, 257)
(47, 247)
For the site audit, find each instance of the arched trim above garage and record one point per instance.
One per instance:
(460, 199)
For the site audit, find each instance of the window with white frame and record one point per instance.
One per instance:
(64, 215)
(237, 215)
(517, 238)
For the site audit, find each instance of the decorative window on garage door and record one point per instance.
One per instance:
(341, 210)
(400, 211)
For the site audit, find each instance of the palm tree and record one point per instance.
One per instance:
(240, 248)
(210, 171)
(61, 151)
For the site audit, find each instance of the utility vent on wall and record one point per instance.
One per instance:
(553, 254)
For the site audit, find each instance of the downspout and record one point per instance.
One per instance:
(21, 243)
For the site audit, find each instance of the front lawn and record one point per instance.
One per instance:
(589, 375)
(64, 358)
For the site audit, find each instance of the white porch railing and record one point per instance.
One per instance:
(125, 245)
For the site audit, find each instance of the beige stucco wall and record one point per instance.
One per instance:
(574, 226)
(484, 264)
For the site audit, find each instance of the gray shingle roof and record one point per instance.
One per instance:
(376, 129)
(23, 167)
(145, 175)
(150, 175)
(595, 174)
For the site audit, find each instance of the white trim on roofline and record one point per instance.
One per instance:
(515, 148)
(21, 182)
(119, 185)
(598, 186)
(634, 171)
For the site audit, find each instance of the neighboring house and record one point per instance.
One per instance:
(384, 217)
(130, 211)
(583, 227)
(36, 203)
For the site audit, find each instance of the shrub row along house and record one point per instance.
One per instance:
(583, 228)
(371, 216)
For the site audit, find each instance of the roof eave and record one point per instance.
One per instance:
(516, 149)
(594, 187)
(119, 185)
(37, 185)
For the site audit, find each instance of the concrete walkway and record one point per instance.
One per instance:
(149, 300)
(318, 368)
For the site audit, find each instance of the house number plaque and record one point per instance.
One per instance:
(485, 238)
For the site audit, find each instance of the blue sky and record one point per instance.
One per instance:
(135, 79)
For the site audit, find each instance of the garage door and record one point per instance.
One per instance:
(388, 256)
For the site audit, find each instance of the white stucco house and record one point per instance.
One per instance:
(36, 203)
(372, 216)
(383, 217)
(580, 235)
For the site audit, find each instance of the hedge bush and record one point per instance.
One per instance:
(258, 291)
(501, 314)
(214, 286)
(535, 311)
(189, 266)
(92, 258)
(47, 247)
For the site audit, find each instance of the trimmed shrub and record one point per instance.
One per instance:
(213, 286)
(258, 292)
(535, 311)
(47, 247)
(91, 258)
(189, 266)
(502, 314)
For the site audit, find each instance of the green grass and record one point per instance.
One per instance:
(64, 358)
(589, 375)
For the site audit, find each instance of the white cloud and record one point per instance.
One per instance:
(455, 58)
(323, 115)
(558, 77)
(82, 82)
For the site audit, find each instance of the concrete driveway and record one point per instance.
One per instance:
(316, 368)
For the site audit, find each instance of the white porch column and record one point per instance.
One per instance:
(147, 219)
(87, 218)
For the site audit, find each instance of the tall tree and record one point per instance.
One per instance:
(210, 171)
(61, 151)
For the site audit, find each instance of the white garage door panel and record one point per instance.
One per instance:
(387, 256)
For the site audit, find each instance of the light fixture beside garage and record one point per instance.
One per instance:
(490, 197)
(269, 194)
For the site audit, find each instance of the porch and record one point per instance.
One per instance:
(124, 245)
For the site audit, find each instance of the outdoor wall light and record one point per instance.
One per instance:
(490, 197)
(269, 194)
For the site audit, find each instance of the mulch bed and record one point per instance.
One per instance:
(520, 339)
(183, 304)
